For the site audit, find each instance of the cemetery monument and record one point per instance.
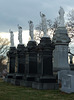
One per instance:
(61, 42)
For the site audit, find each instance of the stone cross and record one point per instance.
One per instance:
(61, 17)
(11, 38)
(44, 25)
(31, 29)
(20, 34)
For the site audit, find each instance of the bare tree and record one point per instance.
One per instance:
(3, 48)
(70, 25)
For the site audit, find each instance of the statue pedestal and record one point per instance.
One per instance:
(31, 63)
(45, 78)
(12, 58)
(60, 53)
(20, 65)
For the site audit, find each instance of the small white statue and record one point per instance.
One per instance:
(61, 17)
(11, 38)
(31, 29)
(44, 24)
(20, 34)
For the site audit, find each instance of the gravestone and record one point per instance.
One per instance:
(67, 83)
(45, 78)
(63, 73)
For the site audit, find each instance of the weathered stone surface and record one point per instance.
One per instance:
(44, 58)
(31, 63)
(21, 59)
(60, 53)
(45, 78)
(67, 83)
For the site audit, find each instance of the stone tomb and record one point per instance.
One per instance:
(45, 78)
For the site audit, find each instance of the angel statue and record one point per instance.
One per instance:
(61, 17)
(11, 38)
(44, 24)
(20, 34)
(31, 29)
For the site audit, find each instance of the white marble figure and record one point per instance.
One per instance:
(20, 34)
(44, 25)
(31, 30)
(11, 38)
(61, 17)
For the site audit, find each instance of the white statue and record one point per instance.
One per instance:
(44, 24)
(61, 17)
(11, 38)
(20, 34)
(31, 29)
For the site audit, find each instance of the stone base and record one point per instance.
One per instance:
(28, 83)
(17, 79)
(22, 83)
(56, 69)
(28, 80)
(45, 86)
(8, 78)
(9, 75)
(46, 79)
(18, 76)
(15, 82)
(72, 66)
(45, 83)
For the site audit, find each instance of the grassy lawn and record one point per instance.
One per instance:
(11, 92)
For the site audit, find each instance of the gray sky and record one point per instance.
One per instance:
(13, 12)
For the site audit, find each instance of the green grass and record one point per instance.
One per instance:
(11, 92)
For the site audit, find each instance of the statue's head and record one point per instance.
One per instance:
(30, 22)
(10, 31)
(19, 27)
(42, 15)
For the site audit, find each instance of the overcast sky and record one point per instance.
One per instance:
(13, 12)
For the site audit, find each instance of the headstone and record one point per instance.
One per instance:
(61, 41)
(45, 78)
(63, 73)
(68, 83)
